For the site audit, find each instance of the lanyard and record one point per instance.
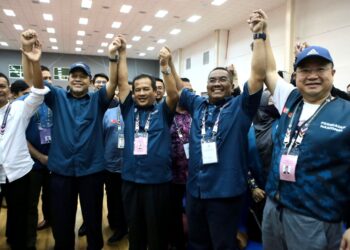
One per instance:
(44, 123)
(216, 125)
(178, 130)
(137, 122)
(4, 121)
(300, 131)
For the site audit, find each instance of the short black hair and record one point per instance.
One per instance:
(18, 86)
(225, 69)
(159, 80)
(100, 75)
(6, 78)
(44, 68)
(141, 76)
(184, 79)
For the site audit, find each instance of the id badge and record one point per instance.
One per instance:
(121, 141)
(187, 150)
(288, 166)
(45, 135)
(140, 144)
(209, 153)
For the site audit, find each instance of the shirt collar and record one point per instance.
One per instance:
(221, 102)
(87, 96)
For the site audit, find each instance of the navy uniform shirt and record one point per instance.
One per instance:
(228, 177)
(113, 126)
(77, 134)
(153, 168)
(322, 187)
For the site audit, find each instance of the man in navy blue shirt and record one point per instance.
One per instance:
(308, 185)
(146, 170)
(76, 154)
(219, 151)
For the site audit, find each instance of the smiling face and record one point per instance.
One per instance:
(100, 82)
(219, 85)
(79, 83)
(4, 91)
(314, 79)
(160, 90)
(144, 94)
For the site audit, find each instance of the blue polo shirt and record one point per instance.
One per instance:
(322, 188)
(155, 167)
(228, 177)
(113, 126)
(77, 133)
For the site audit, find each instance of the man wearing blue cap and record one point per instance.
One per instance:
(306, 204)
(76, 156)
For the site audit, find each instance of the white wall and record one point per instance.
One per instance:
(319, 22)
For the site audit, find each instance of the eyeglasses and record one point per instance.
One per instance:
(101, 82)
(213, 80)
(309, 71)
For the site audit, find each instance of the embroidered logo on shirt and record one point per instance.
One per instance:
(332, 126)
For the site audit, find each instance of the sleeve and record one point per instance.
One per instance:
(126, 105)
(250, 103)
(189, 100)
(281, 93)
(103, 99)
(168, 114)
(49, 98)
(33, 101)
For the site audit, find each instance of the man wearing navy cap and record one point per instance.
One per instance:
(76, 154)
(306, 205)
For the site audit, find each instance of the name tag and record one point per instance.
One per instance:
(209, 152)
(121, 141)
(288, 166)
(140, 144)
(187, 150)
(45, 135)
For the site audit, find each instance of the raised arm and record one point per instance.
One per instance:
(257, 22)
(169, 80)
(178, 81)
(28, 38)
(33, 57)
(113, 67)
(345, 242)
(123, 85)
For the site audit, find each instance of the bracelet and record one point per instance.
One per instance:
(115, 59)
(259, 36)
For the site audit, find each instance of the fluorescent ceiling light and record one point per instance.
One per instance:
(81, 33)
(79, 42)
(18, 27)
(9, 12)
(125, 8)
(47, 17)
(104, 44)
(54, 47)
(150, 48)
(136, 38)
(218, 2)
(116, 25)
(193, 18)
(50, 30)
(100, 51)
(4, 44)
(44, 1)
(161, 41)
(78, 49)
(53, 40)
(128, 46)
(175, 31)
(109, 35)
(142, 54)
(161, 13)
(146, 28)
(83, 21)
(86, 4)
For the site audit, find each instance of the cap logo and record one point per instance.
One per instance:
(312, 52)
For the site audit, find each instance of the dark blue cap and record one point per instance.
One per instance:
(80, 65)
(313, 51)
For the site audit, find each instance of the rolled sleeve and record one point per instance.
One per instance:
(33, 101)
(251, 102)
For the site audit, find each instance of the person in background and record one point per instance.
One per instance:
(160, 89)
(19, 88)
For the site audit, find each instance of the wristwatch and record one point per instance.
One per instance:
(259, 36)
(167, 71)
(115, 59)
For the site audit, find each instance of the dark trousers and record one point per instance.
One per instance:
(213, 223)
(177, 234)
(116, 217)
(147, 212)
(16, 194)
(38, 178)
(64, 192)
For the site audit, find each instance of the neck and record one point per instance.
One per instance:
(180, 109)
(78, 95)
(316, 101)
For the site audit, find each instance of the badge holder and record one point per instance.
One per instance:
(288, 165)
(187, 150)
(209, 152)
(140, 144)
(121, 141)
(45, 134)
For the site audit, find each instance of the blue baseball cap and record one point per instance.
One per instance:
(313, 51)
(80, 65)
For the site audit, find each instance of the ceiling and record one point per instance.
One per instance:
(66, 14)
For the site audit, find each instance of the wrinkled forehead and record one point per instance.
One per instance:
(218, 74)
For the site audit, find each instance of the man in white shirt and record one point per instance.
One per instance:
(15, 161)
